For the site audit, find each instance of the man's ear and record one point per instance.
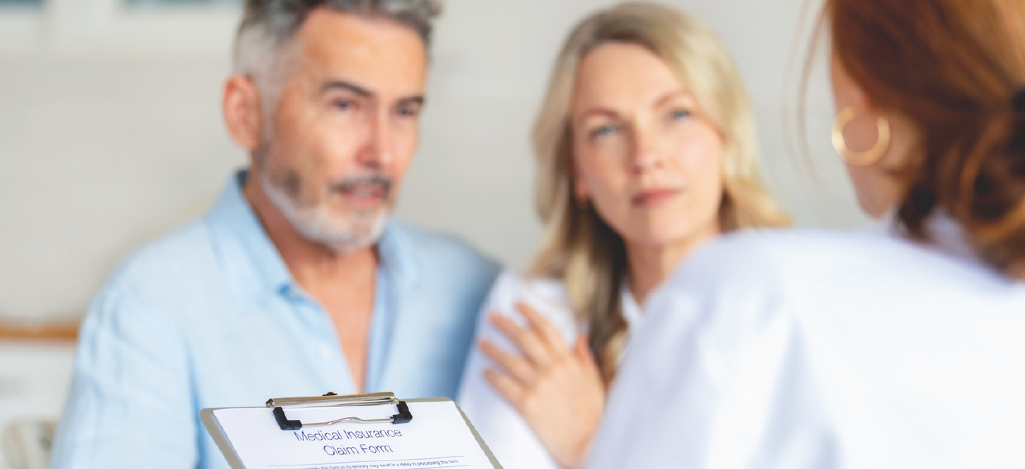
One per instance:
(242, 111)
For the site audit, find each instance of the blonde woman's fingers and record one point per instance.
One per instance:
(582, 351)
(543, 327)
(527, 340)
(513, 365)
(507, 387)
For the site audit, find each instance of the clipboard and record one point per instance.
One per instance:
(358, 431)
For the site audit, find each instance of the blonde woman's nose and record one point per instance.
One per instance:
(646, 155)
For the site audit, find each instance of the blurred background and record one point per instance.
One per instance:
(111, 134)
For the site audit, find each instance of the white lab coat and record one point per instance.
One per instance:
(824, 350)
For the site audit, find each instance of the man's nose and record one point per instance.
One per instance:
(379, 150)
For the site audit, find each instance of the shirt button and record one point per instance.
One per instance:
(324, 350)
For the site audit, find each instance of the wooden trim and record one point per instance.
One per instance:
(39, 332)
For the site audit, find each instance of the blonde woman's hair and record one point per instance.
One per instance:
(579, 248)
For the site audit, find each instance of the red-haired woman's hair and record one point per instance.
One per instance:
(954, 68)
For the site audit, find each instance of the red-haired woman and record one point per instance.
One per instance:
(903, 347)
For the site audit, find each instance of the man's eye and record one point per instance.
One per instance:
(344, 104)
(407, 111)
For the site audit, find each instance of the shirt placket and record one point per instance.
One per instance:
(323, 346)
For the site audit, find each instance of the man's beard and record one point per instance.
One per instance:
(315, 221)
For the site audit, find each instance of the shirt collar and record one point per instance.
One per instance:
(252, 263)
(398, 255)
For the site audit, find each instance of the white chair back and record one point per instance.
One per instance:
(26, 444)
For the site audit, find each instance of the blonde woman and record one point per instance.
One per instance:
(646, 148)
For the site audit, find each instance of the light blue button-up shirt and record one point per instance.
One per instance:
(210, 316)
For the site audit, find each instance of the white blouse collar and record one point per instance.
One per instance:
(948, 235)
(944, 232)
(631, 310)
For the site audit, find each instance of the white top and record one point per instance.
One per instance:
(500, 426)
(818, 350)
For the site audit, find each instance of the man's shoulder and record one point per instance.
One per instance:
(171, 262)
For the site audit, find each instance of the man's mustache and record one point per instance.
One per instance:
(353, 183)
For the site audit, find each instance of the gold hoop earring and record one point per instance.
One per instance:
(860, 158)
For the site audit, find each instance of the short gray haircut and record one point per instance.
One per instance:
(264, 38)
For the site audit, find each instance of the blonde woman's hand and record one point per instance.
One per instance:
(558, 391)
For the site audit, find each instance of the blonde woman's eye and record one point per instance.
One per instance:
(679, 114)
(603, 131)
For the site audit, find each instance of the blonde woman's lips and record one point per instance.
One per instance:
(654, 198)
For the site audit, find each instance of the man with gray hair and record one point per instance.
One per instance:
(297, 282)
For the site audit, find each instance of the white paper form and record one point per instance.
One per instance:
(437, 437)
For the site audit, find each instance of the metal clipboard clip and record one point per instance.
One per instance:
(334, 400)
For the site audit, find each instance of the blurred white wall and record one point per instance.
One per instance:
(110, 129)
